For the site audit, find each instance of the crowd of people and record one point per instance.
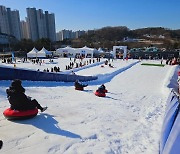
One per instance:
(72, 64)
(53, 69)
(82, 63)
(7, 60)
(173, 61)
(107, 62)
(11, 60)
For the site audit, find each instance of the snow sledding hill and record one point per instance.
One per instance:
(127, 120)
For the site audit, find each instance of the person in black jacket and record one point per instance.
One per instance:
(1, 144)
(77, 84)
(18, 100)
(101, 89)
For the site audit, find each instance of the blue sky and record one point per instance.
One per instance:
(94, 14)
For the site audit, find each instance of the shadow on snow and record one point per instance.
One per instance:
(48, 124)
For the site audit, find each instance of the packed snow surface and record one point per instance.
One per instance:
(127, 120)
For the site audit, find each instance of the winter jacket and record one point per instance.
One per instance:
(101, 89)
(18, 100)
(79, 85)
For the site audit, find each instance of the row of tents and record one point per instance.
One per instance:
(43, 53)
(64, 52)
(77, 52)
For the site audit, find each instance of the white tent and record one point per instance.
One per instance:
(100, 50)
(87, 52)
(72, 52)
(32, 53)
(43, 53)
(66, 52)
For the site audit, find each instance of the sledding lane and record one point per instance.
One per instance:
(143, 97)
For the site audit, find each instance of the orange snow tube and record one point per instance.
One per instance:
(19, 115)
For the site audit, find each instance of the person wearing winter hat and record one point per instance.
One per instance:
(101, 89)
(77, 84)
(18, 100)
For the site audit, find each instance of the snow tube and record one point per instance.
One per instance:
(100, 94)
(178, 73)
(105, 91)
(79, 88)
(18, 115)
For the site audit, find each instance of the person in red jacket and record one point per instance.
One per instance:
(18, 100)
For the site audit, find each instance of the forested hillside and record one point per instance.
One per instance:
(108, 36)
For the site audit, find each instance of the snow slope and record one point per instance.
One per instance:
(127, 120)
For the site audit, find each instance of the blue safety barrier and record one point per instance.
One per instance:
(170, 133)
(172, 145)
(9, 73)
